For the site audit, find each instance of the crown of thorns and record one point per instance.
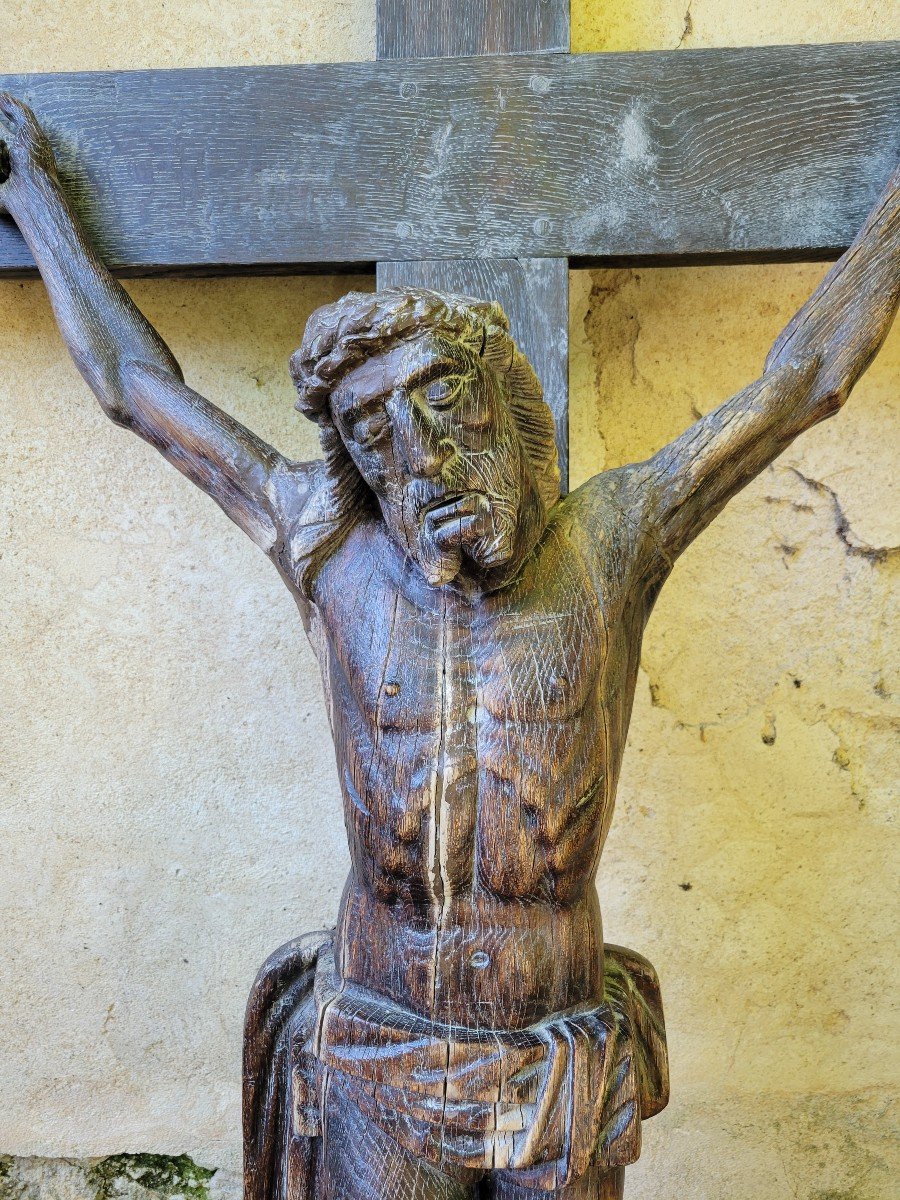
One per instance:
(341, 335)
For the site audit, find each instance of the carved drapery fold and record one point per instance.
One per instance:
(545, 1101)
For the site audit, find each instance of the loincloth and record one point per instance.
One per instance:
(544, 1102)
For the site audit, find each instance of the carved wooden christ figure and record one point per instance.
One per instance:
(463, 1031)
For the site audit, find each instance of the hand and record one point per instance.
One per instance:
(25, 152)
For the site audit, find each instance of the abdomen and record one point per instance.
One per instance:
(544, 807)
(486, 963)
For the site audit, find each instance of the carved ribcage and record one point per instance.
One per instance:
(471, 739)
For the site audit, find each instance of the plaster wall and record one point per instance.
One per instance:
(168, 808)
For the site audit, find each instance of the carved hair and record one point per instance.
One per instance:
(341, 335)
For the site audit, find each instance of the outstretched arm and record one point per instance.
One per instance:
(808, 375)
(124, 360)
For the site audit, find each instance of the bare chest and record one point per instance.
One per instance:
(411, 661)
(460, 726)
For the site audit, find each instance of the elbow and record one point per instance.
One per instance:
(143, 393)
(828, 398)
(114, 404)
(833, 400)
(106, 382)
(825, 385)
(139, 382)
(821, 404)
(119, 415)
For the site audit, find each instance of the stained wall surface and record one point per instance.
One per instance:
(169, 804)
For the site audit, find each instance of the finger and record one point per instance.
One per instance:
(10, 107)
(5, 123)
(5, 172)
(19, 115)
(458, 530)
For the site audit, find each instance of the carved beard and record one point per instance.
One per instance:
(474, 512)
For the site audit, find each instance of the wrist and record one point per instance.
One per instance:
(32, 194)
(23, 170)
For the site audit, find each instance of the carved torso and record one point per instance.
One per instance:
(479, 647)
(479, 741)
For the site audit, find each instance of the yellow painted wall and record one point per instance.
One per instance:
(762, 766)
(168, 808)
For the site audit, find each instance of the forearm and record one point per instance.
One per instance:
(687, 483)
(845, 321)
(102, 328)
(809, 373)
(126, 362)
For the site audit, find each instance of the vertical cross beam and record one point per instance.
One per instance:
(534, 292)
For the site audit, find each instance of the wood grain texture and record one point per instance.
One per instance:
(534, 293)
(759, 152)
(467, 1000)
(465, 1033)
(454, 28)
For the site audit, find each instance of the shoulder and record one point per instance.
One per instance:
(301, 499)
(321, 516)
(610, 516)
(291, 486)
(611, 503)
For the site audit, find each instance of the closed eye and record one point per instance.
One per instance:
(443, 393)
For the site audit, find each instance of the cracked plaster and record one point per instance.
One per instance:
(168, 805)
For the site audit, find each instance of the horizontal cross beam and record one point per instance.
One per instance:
(767, 153)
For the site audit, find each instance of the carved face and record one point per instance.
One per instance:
(428, 428)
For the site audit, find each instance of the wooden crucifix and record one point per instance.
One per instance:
(464, 1031)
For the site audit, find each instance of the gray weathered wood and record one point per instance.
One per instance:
(534, 292)
(448, 29)
(464, 1030)
(748, 153)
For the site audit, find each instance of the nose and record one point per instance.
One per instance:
(419, 439)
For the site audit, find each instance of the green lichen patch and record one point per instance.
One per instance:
(176, 1176)
(11, 1186)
